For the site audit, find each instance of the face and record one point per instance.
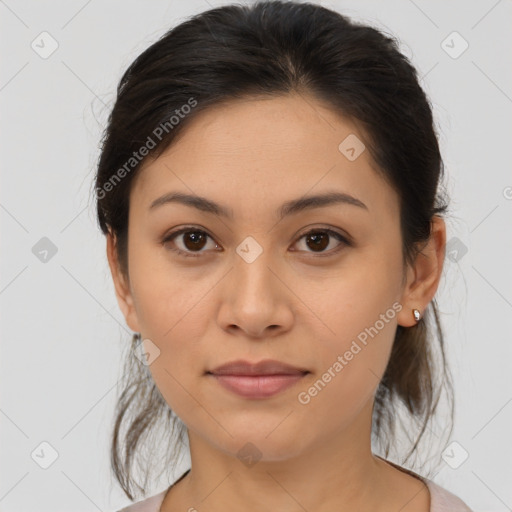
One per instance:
(319, 288)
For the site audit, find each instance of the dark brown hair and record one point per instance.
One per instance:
(276, 48)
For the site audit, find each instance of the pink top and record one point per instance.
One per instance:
(441, 500)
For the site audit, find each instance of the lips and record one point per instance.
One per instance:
(257, 380)
(265, 367)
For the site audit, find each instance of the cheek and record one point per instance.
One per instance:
(351, 300)
(172, 311)
(356, 359)
(348, 374)
(166, 295)
(358, 317)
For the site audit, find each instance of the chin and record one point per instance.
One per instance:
(260, 445)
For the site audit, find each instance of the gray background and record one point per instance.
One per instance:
(62, 332)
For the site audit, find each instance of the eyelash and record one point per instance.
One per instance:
(171, 236)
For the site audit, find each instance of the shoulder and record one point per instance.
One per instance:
(151, 504)
(442, 500)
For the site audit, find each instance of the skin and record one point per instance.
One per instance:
(289, 304)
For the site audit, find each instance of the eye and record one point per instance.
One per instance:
(194, 240)
(319, 239)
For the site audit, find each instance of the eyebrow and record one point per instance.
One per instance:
(289, 208)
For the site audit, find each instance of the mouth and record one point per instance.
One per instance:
(257, 381)
(259, 369)
(257, 386)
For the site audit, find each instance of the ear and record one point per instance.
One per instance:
(121, 285)
(424, 276)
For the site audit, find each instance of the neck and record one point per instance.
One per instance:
(335, 473)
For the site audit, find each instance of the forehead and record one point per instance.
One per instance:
(264, 151)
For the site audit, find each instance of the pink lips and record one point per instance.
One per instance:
(261, 380)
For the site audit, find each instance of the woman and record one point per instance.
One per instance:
(269, 188)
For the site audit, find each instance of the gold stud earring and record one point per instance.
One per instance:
(416, 315)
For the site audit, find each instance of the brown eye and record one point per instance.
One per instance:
(194, 240)
(318, 240)
(191, 241)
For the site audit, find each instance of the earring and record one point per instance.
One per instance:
(416, 315)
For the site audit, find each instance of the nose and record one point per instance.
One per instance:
(255, 300)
